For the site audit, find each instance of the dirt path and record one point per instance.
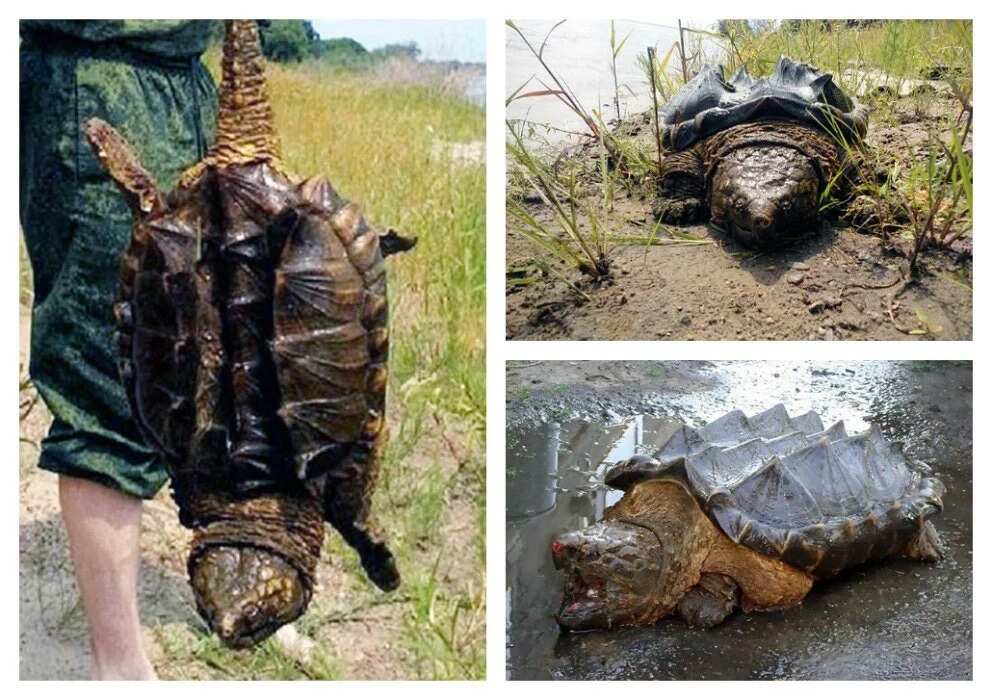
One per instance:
(834, 285)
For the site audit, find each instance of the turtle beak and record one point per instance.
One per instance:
(761, 218)
(581, 615)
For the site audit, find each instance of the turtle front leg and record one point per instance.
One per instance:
(682, 190)
(926, 546)
(347, 494)
(709, 602)
(392, 242)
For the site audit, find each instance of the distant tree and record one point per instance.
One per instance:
(342, 51)
(288, 39)
(408, 50)
(735, 27)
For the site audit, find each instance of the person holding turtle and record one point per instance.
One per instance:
(146, 78)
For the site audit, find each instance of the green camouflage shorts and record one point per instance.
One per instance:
(146, 79)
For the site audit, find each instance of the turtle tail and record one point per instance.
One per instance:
(245, 127)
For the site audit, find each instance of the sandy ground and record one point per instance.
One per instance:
(895, 619)
(834, 285)
(349, 622)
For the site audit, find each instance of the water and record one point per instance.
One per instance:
(897, 619)
(579, 53)
(475, 90)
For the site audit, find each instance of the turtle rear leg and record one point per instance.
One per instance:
(926, 545)
(347, 496)
(682, 191)
(709, 602)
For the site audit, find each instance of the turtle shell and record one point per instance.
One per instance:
(794, 91)
(788, 487)
(252, 332)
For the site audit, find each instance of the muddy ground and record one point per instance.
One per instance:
(837, 284)
(897, 619)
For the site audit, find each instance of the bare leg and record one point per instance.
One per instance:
(103, 526)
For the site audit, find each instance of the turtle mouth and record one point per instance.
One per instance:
(765, 235)
(583, 605)
(585, 599)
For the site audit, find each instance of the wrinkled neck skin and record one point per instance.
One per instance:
(636, 565)
(765, 195)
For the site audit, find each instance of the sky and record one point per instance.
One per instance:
(439, 40)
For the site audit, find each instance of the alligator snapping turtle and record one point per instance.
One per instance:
(252, 339)
(745, 511)
(755, 156)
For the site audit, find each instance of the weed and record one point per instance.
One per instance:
(585, 250)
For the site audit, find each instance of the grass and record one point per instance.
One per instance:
(923, 202)
(902, 49)
(585, 243)
(377, 140)
(200, 656)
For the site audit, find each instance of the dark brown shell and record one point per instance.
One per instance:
(253, 349)
(816, 498)
(252, 334)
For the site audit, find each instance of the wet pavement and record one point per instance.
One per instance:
(896, 619)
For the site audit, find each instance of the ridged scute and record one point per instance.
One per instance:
(794, 91)
(788, 487)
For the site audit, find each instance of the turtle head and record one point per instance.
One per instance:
(765, 194)
(246, 593)
(612, 572)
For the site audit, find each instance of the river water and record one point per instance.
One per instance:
(579, 53)
(896, 619)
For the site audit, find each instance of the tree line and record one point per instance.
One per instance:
(294, 40)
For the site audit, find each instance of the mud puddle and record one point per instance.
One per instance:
(897, 619)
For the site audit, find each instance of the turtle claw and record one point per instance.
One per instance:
(392, 242)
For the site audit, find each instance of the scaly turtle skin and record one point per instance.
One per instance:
(754, 157)
(745, 512)
(253, 348)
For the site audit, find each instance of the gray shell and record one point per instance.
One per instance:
(817, 498)
(794, 91)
